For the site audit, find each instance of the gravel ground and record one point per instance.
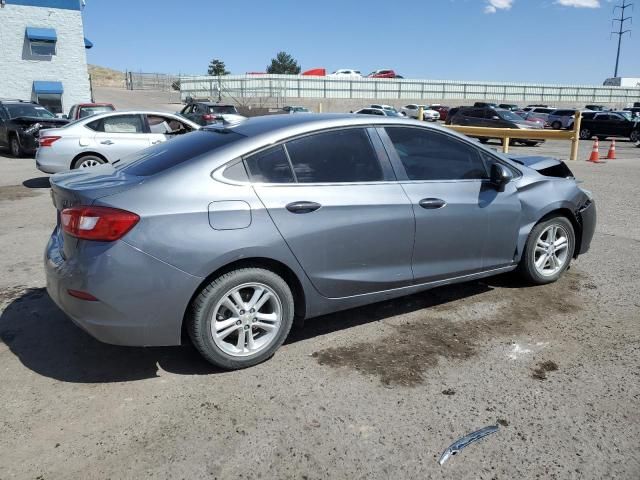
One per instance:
(375, 392)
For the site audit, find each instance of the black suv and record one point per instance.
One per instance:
(20, 122)
(609, 124)
(495, 118)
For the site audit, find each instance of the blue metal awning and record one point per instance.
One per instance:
(87, 43)
(42, 34)
(47, 87)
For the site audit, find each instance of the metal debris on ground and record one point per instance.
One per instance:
(458, 445)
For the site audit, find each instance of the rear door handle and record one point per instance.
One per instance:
(155, 142)
(106, 142)
(432, 203)
(303, 207)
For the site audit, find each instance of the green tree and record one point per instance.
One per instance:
(217, 68)
(284, 64)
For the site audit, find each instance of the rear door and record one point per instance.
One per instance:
(119, 135)
(334, 199)
(463, 225)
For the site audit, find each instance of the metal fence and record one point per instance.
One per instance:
(150, 81)
(297, 86)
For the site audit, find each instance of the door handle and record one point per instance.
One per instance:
(432, 203)
(303, 207)
(155, 142)
(106, 142)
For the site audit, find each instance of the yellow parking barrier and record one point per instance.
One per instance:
(420, 113)
(506, 134)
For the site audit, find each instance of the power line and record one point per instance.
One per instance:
(621, 31)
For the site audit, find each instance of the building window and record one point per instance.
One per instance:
(42, 41)
(49, 95)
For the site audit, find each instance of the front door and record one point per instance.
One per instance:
(333, 198)
(455, 207)
(119, 135)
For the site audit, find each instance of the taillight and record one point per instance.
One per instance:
(97, 223)
(47, 141)
(208, 117)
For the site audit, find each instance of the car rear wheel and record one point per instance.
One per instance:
(241, 318)
(556, 125)
(548, 251)
(635, 136)
(87, 161)
(585, 134)
(15, 147)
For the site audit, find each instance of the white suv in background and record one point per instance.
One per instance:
(412, 111)
(346, 73)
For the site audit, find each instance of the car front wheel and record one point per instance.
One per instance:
(635, 136)
(548, 251)
(241, 318)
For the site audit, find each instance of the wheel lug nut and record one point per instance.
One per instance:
(255, 320)
(241, 312)
(246, 327)
(238, 322)
(252, 310)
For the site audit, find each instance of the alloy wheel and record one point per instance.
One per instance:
(585, 134)
(246, 320)
(89, 162)
(552, 250)
(634, 137)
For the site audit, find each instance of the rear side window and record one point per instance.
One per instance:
(165, 155)
(118, 124)
(428, 155)
(337, 156)
(270, 166)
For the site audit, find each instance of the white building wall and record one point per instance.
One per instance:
(18, 69)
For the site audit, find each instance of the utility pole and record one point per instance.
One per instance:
(621, 31)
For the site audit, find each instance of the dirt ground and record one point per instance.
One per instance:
(375, 392)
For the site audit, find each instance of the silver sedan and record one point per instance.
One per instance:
(105, 138)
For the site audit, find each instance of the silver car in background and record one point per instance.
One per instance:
(105, 138)
(231, 232)
(412, 111)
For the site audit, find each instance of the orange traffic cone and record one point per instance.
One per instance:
(595, 152)
(612, 151)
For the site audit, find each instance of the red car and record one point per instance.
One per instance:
(441, 109)
(82, 110)
(386, 73)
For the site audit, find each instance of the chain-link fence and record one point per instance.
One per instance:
(152, 81)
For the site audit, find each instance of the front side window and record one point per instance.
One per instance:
(428, 155)
(336, 156)
(270, 166)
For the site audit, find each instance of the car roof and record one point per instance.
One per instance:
(215, 104)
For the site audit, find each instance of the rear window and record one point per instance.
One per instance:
(168, 154)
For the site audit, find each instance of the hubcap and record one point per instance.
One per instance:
(552, 250)
(89, 162)
(246, 320)
(585, 134)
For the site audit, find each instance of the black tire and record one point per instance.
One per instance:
(635, 136)
(99, 160)
(200, 316)
(601, 138)
(556, 125)
(527, 268)
(14, 146)
(484, 140)
(585, 134)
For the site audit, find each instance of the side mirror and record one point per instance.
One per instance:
(500, 176)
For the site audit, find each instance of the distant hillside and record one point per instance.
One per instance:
(106, 77)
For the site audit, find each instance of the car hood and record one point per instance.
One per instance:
(536, 162)
(44, 122)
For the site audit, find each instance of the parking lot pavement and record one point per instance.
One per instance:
(375, 392)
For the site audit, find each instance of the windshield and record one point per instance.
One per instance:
(300, 109)
(27, 110)
(392, 113)
(223, 109)
(510, 116)
(88, 111)
(626, 115)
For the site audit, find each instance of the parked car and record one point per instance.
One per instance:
(596, 108)
(295, 109)
(346, 73)
(562, 118)
(81, 110)
(106, 138)
(509, 106)
(206, 113)
(412, 110)
(384, 107)
(136, 258)
(495, 118)
(381, 112)
(541, 113)
(385, 73)
(485, 104)
(635, 111)
(443, 110)
(609, 124)
(20, 124)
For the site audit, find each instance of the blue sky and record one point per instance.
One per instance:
(499, 40)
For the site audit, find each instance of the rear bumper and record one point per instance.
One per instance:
(587, 216)
(48, 161)
(141, 300)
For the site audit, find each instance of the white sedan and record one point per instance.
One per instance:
(346, 73)
(412, 111)
(105, 138)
